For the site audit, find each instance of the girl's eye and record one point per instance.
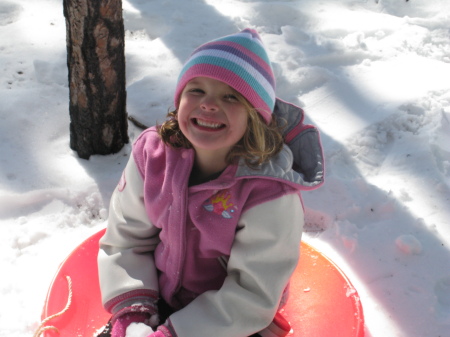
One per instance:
(231, 98)
(196, 91)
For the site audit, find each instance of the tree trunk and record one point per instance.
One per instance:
(96, 62)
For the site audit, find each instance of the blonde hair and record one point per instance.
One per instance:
(258, 145)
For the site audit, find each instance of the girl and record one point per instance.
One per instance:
(205, 223)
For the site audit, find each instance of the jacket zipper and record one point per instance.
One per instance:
(182, 238)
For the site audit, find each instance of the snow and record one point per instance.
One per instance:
(372, 75)
(138, 330)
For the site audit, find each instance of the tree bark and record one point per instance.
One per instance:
(96, 62)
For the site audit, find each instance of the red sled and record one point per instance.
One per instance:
(322, 301)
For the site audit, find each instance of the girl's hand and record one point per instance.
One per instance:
(133, 314)
(162, 331)
(120, 325)
(156, 334)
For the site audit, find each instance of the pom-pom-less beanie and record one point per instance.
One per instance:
(239, 60)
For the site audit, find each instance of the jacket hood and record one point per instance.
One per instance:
(280, 168)
(301, 162)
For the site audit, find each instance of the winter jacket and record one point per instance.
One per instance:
(220, 253)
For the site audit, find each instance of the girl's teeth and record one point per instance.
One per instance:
(208, 124)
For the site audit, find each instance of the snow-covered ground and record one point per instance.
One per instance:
(372, 75)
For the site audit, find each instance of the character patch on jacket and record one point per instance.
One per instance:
(220, 204)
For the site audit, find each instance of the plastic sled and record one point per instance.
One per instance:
(322, 301)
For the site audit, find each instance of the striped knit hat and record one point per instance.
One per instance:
(238, 60)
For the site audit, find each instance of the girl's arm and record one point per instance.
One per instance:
(126, 266)
(263, 257)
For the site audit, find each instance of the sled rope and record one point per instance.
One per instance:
(41, 329)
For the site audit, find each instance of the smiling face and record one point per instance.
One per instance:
(211, 116)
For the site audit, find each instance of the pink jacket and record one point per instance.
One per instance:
(198, 224)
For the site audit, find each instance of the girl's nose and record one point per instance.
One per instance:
(209, 104)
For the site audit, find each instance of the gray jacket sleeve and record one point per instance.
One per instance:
(127, 246)
(264, 255)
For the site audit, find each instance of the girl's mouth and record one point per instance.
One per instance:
(208, 125)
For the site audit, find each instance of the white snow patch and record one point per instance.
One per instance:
(138, 330)
(409, 244)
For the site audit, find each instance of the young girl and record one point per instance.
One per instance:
(205, 223)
